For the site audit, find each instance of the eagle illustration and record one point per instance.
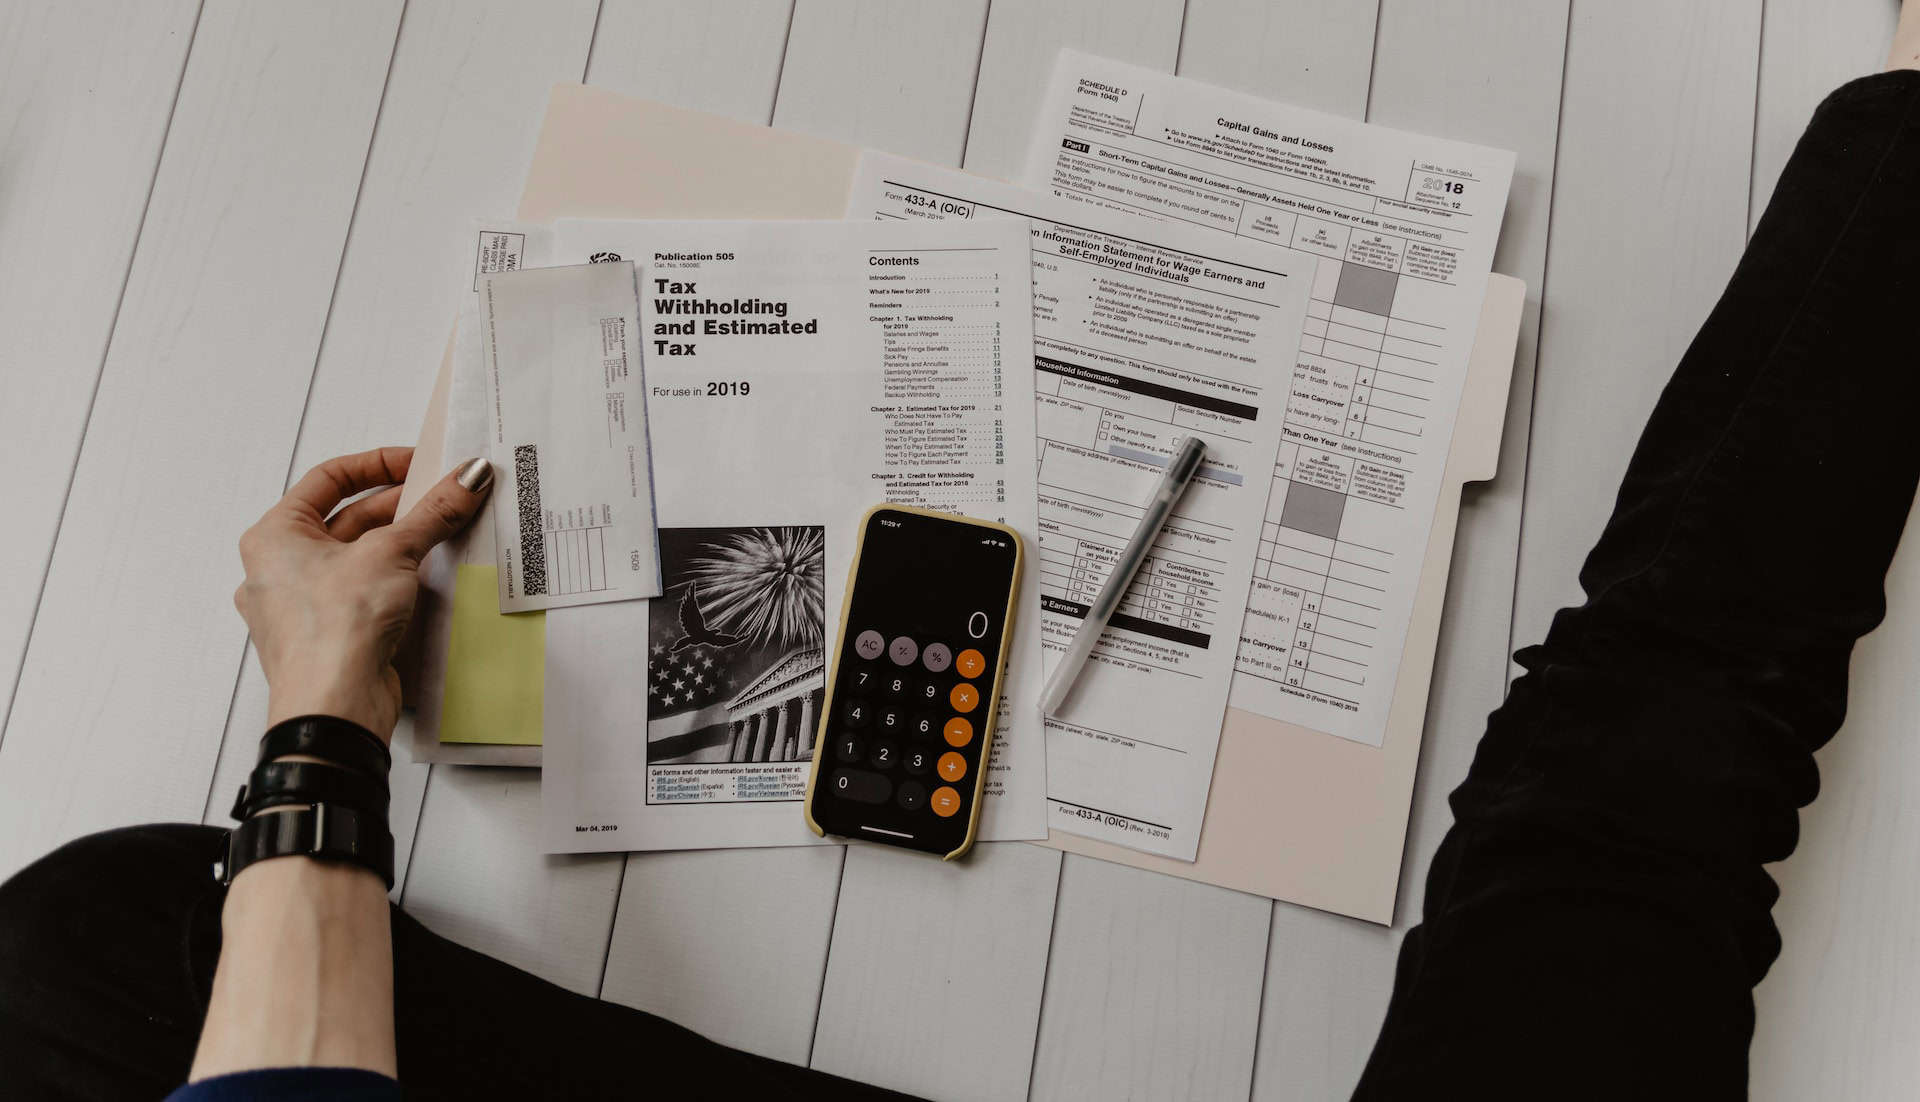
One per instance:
(694, 631)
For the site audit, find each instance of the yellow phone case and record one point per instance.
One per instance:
(992, 710)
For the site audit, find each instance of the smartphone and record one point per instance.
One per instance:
(900, 757)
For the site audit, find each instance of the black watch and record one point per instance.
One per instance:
(279, 783)
(329, 832)
(329, 738)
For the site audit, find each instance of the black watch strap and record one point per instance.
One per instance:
(278, 783)
(328, 738)
(329, 832)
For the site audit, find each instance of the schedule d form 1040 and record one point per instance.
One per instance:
(1402, 230)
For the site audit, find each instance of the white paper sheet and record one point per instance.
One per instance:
(1403, 229)
(569, 441)
(1143, 334)
(689, 721)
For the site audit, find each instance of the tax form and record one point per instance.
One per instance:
(569, 436)
(1143, 334)
(798, 372)
(1402, 230)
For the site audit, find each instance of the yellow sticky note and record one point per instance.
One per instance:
(496, 666)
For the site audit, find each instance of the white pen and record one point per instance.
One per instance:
(1180, 471)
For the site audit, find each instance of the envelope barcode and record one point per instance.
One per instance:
(533, 543)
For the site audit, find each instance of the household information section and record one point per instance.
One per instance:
(1402, 229)
(798, 372)
(1142, 335)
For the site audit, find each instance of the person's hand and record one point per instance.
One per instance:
(328, 598)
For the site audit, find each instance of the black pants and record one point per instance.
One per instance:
(107, 950)
(1596, 918)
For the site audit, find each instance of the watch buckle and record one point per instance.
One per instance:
(223, 869)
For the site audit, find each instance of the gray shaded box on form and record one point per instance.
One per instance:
(1313, 509)
(1364, 288)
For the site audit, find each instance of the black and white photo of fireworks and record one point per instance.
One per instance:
(737, 644)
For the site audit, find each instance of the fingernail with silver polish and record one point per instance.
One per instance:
(475, 474)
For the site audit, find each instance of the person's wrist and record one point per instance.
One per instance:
(351, 697)
(306, 874)
(371, 716)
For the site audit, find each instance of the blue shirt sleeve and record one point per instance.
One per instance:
(292, 1085)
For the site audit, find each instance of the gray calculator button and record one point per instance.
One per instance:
(858, 784)
(912, 795)
(936, 658)
(903, 651)
(869, 644)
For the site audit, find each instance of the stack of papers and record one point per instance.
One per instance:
(1298, 290)
(1400, 230)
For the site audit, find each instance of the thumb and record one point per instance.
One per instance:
(447, 507)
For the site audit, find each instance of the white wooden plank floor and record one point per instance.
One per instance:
(228, 225)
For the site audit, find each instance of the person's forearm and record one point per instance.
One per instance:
(1905, 52)
(306, 972)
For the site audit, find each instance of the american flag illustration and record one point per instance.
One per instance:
(737, 601)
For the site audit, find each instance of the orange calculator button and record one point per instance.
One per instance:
(951, 766)
(958, 731)
(964, 697)
(971, 663)
(944, 802)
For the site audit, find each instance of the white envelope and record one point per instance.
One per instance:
(575, 524)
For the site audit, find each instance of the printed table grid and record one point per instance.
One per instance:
(576, 559)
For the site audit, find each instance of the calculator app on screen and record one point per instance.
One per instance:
(907, 724)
